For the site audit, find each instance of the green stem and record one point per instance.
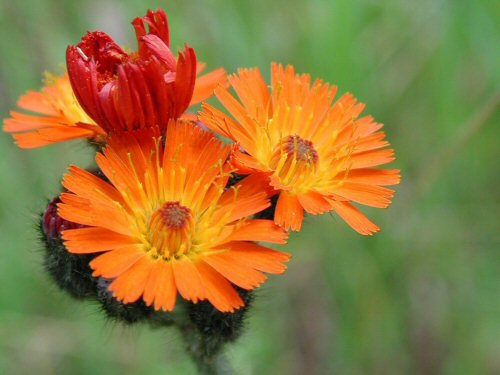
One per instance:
(207, 360)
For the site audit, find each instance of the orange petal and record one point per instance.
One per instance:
(314, 203)
(188, 280)
(152, 285)
(259, 230)
(160, 287)
(36, 101)
(237, 110)
(224, 125)
(219, 291)
(246, 164)
(253, 92)
(372, 142)
(80, 210)
(94, 239)
(358, 137)
(118, 171)
(189, 117)
(166, 292)
(115, 262)
(234, 270)
(206, 84)
(21, 122)
(367, 126)
(289, 212)
(47, 136)
(247, 197)
(257, 256)
(129, 286)
(367, 159)
(383, 177)
(355, 218)
(370, 195)
(88, 185)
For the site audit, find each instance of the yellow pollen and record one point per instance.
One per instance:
(294, 161)
(170, 230)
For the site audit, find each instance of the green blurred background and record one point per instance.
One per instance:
(421, 297)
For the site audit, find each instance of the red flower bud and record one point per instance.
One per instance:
(128, 91)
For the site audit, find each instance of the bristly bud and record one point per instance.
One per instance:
(70, 272)
(217, 328)
(126, 313)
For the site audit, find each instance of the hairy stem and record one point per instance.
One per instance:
(208, 361)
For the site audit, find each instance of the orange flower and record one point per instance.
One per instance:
(59, 116)
(166, 222)
(128, 91)
(318, 155)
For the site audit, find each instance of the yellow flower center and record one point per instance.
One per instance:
(293, 160)
(170, 230)
(301, 149)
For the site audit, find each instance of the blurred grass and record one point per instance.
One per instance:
(421, 297)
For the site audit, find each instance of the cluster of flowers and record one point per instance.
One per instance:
(172, 209)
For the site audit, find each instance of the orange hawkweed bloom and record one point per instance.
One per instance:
(319, 156)
(166, 221)
(59, 117)
(127, 91)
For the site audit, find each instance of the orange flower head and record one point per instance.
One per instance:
(124, 91)
(57, 116)
(318, 155)
(166, 222)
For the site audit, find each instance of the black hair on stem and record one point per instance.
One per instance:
(217, 328)
(128, 313)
